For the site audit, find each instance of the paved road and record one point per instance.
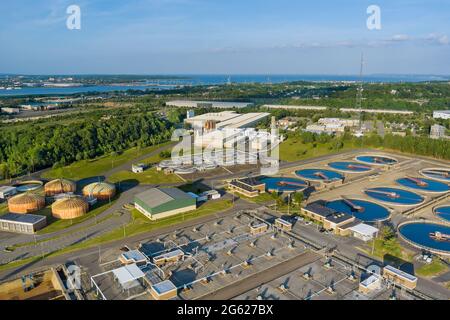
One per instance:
(258, 279)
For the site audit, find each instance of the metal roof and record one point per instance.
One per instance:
(22, 218)
(157, 196)
(364, 229)
(164, 287)
(128, 273)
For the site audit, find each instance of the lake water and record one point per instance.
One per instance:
(196, 80)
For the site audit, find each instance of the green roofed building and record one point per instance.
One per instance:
(159, 203)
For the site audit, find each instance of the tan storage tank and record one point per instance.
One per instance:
(100, 190)
(59, 186)
(26, 203)
(70, 208)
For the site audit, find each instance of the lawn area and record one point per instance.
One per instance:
(150, 176)
(141, 224)
(260, 199)
(3, 208)
(433, 269)
(54, 225)
(90, 168)
(294, 150)
(396, 255)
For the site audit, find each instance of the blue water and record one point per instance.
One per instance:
(347, 166)
(376, 160)
(419, 233)
(310, 174)
(443, 213)
(438, 174)
(196, 80)
(432, 185)
(371, 212)
(406, 197)
(272, 184)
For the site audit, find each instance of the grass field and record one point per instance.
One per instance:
(91, 168)
(433, 269)
(3, 208)
(54, 224)
(294, 150)
(150, 176)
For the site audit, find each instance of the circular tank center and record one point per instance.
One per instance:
(319, 174)
(348, 166)
(364, 210)
(376, 160)
(395, 196)
(427, 185)
(427, 235)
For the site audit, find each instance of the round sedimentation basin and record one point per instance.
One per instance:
(27, 186)
(364, 210)
(422, 234)
(348, 166)
(319, 175)
(377, 160)
(395, 196)
(425, 185)
(279, 184)
(441, 174)
(443, 213)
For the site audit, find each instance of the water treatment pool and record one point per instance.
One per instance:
(441, 174)
(418, 233)
(427, 185)
(279, 184)
(443, 213)
(395, 196)
(352, 167)
(368, 211)
(377, 160)
(319, 174)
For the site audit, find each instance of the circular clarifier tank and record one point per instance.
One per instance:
(366, 211)
(443, 213)
(377, 160)
(26, 186)
(352, 167)
(426, 235)
(426, 185)
(278, 184)
(319, 174)
(395, 196)
(441, 174)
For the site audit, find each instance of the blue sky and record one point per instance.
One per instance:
(225, 37)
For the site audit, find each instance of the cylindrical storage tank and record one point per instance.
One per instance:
(70, 208)
(26, 203)
(100, 190)
(59, 186)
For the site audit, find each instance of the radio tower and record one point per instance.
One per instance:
(359, 93)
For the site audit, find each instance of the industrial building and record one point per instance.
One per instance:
(226, 119)
(249, 187)
(159, 203)
(437, 132)
(207, 104)
(22, 223)
(7, 191)
(399, 277)
(133, 257)
(441, 114)
(165, 290)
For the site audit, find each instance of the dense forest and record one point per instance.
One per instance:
(41, 145)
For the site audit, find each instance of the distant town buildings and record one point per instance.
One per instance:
(442, 114)
(10, 110)
(207, 104)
